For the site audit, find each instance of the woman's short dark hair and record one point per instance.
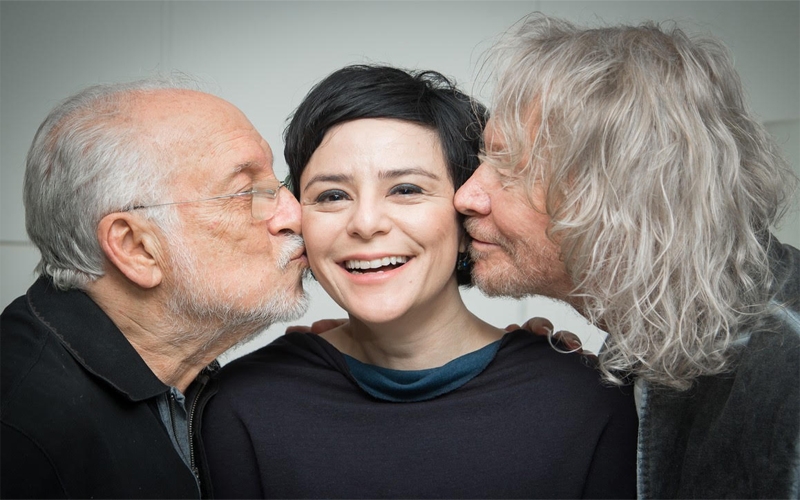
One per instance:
(426, 98)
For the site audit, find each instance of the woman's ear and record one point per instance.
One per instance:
(132, 246)
(463, 242)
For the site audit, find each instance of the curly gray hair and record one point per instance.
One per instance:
(660, 184)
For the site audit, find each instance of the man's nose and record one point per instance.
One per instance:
(472, 198)
(287, 216)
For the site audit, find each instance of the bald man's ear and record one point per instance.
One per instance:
(131, 245)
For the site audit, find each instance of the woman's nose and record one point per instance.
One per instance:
(369, 218)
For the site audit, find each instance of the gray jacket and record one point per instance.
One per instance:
(735, 435)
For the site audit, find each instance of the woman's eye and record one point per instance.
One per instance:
(331, 195)
(406, 189)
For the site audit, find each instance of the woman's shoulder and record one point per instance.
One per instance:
(286, 354)
(532, 362)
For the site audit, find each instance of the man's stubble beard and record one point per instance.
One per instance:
(527, 269)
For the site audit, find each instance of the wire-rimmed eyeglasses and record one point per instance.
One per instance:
(264, 199)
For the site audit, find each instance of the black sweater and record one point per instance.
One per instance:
(289, 421)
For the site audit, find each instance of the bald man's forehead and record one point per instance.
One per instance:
(163, 103)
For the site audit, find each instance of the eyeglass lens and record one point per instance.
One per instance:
(265, 199)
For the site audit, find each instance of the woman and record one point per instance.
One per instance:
(414, 397)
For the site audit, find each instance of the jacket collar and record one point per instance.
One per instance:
(93, 339)
(785, 267)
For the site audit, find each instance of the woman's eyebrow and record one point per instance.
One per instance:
(341, 178)
(393, 174)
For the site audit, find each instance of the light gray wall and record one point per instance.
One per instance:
(264, 56)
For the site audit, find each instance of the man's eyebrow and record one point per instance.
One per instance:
(248, 165)
(393, 174)
(233, 176)
(493, 144)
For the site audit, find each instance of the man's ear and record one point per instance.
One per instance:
(132, 246)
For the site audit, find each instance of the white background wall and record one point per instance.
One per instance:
(264, 56)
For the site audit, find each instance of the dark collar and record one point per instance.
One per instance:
(93, 339)
(785, 267)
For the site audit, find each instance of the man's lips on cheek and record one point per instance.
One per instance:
(299, 254)
(480, 240)
(477, 235)
(481, 245)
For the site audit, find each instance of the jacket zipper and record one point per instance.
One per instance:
(203, 380)
(190, 418)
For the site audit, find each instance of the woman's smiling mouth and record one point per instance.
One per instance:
(376, 265)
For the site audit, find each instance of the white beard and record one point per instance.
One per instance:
(213, 316)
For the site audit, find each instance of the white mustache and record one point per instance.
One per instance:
(294, 242)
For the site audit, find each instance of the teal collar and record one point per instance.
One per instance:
(420, 385)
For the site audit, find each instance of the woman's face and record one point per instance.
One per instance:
(378, 219)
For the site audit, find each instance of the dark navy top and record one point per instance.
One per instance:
(292, 421)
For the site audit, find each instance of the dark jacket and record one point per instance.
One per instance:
(78, 406)
(735, 435)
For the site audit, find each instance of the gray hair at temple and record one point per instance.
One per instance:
(89, 159)
(660, 183)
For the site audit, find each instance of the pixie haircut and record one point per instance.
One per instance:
(426, 98)
(660, 184)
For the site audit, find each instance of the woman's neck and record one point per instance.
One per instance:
(419, 339)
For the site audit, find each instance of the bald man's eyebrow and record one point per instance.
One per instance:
(248, 165)
(402, 172)
(233, 179)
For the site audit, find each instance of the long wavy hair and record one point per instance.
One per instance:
(660, 184)
(89, 159)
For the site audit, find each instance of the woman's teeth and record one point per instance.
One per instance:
(352, 265)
